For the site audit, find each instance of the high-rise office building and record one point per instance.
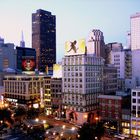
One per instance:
(135, 31)
(96, 40)
(82, 82)
(44, 39)
(121, 58)
(128, 40)
(135, 47)
(7, 55)
(135, 111)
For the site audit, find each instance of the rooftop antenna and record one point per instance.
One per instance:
(22, 42)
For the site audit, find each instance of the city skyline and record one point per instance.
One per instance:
(74, 19)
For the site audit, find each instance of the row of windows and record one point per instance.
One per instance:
(72, 85)
(55, 85)
(72, 80)
(56, 90)
(134, 94)
(109, 101)
(87, 68)
(78, 60)
(134, 101)
(88, 74)
(134, 108)
(69, 74)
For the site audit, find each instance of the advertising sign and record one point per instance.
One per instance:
(57, 71)
(28, 64)
(75, 48)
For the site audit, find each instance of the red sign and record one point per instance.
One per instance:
(28, 64)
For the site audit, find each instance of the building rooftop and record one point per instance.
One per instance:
(135, 15)
(110, 97)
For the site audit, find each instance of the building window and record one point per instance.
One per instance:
(134, 107)
(134, 93)
(138, 100)
(134, 100)
(109, 101)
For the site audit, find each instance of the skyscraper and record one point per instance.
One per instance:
(44, 39)
(82, 82)
(135, 47)
(7, 55)
(135, 31)
(95, 41)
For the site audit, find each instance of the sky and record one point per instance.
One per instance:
(74, 19)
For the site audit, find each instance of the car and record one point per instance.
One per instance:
(66, 121)
(56, 118)
(119, 136)
(79, 126)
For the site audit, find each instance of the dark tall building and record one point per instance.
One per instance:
(25, 57)
(44, 40)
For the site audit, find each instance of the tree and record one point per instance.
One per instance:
(32, 113)
(6, 116)
(99, 131)
(91, 131)
(20, 113)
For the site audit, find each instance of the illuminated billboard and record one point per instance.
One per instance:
(57, 71)
(75, 48)
(49, 70)
(28, 63)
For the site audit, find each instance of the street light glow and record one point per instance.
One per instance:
(73, 128)
(63, 126)
(36, 119)
(96, 118)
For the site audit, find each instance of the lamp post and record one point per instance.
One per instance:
(117, 124)
(96, 119)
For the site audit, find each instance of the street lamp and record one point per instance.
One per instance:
(6, 105)
(63, 126)
(36, 119)
(96, 119)
(61, 134)
(117, 124)
(73, 128)
(44, 121)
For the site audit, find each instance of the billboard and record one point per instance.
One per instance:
(28, 63)
(49, 70)
(75, 48)
(57, 71)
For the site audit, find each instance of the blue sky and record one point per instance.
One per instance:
(74, 18)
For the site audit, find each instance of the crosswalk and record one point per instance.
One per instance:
(9, 137)
(5, 136)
